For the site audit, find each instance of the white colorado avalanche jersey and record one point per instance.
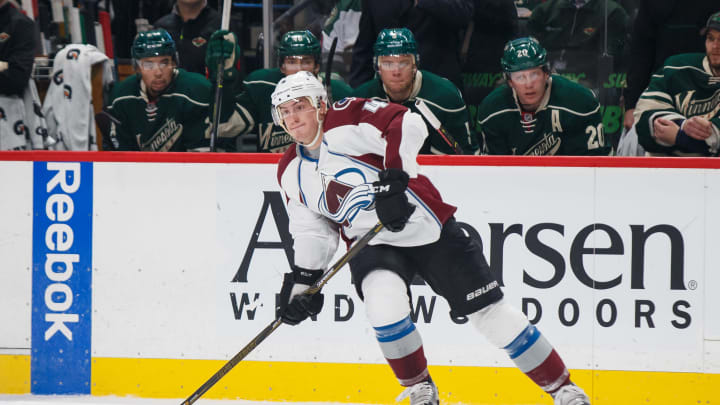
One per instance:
(334, 192)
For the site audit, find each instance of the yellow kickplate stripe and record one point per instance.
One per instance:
(14, 374)
(365, 383)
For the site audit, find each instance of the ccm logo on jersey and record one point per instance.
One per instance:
(381, 189)
(482, 290)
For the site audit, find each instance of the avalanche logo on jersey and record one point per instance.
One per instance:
(344, 195)
(343, 104)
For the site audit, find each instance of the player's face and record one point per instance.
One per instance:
(300, 118)
(529, 86)
(294, 64)
(156, 72)
(397, 73)
(712, 49)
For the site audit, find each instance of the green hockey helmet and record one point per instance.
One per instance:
(395, 41)
(297, 43)
(713, 22)
(157, 42)
(523, 53)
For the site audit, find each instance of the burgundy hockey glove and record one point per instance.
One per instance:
(391, 203)
(295, 306)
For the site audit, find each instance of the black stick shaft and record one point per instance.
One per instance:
(313, 289)
(217, 107)
(233, 362)
(434, 122)
(328, 71)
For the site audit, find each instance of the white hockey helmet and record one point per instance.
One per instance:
(298, 85)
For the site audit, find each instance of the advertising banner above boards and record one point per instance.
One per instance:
(180, 256)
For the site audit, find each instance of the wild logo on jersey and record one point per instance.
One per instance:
(548, 145)
(163, 139)
(690, 107)
(345, 194)
(273, 141)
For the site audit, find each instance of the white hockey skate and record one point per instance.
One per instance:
(423, 393)
(571, 394)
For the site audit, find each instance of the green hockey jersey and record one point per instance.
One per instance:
(567, 122)
(683, 88)
(443, 99)
(254, 107)
(178, 120)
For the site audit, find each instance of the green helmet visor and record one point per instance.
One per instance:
(398, 63)
(299, 62)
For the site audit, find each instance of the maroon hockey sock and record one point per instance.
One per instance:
(551, 374)
(402, 346)
(536, 357)
(410, 369)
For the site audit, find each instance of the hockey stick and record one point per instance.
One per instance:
(104, 120)
(313, 289)
(435, 123)
(328, 71)
(217, 107)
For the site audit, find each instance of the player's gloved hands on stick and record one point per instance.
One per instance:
(295, 306)
(222, 48)
(391, 203)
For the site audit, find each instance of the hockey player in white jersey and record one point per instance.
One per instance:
(356, 163)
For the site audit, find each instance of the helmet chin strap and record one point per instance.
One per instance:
(319, 130)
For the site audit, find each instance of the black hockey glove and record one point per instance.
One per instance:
(391, 203)
(295, 306)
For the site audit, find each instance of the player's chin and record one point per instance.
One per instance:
(158, 85)
(299, 136)
(528, 100)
